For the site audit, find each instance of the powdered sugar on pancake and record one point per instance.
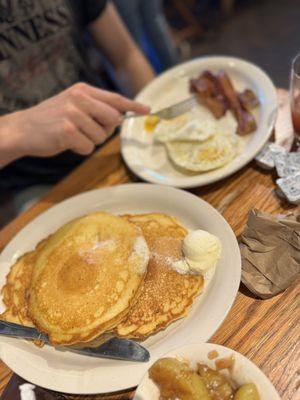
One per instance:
(140, 249)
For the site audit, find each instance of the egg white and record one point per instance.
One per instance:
(213, 153)
(197, 125)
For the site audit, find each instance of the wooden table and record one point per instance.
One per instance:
(266, 331)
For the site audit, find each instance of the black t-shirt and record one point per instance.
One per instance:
(41, 54)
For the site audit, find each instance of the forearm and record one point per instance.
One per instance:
(134, 73)
(77, 119)
(10, 143)
(131, 67)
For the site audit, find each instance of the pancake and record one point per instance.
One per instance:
(87, 277)
(15, 291)
(166, 295)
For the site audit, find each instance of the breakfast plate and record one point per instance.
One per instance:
(244, 371)
(149, 159)
(73, 373)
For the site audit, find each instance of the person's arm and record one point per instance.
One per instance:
(76, 119)
(113, 39)
(10, 140)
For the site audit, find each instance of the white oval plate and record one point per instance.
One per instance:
(73, 373)
(244, 370)
(149, 160)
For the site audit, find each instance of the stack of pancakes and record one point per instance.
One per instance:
(102, 275)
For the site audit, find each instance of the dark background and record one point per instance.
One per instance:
(266, 32)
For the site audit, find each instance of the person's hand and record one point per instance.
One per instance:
(76, 119)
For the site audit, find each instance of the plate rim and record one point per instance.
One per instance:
(186, 184)
(133, 186)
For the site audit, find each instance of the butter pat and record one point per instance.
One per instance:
(201, 250)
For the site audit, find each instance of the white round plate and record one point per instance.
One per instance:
(73, 373)
(149, 160)
(244, 371)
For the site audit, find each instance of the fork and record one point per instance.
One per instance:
(169, 112)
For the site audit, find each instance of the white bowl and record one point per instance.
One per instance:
(244, 371)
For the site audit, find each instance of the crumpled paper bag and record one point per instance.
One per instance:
(270, 249)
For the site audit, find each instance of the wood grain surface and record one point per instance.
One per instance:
(266, 331)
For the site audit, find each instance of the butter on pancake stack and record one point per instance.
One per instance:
(166, 294)
(85, 278)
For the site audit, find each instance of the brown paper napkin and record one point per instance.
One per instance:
(270, 249)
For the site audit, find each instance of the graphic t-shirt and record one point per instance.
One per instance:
(41, 54)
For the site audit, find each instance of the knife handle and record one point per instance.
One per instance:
(15, 330)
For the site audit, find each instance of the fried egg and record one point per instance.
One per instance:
(196, 125)
(203, 156)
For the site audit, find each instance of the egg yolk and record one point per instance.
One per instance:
(151, 122)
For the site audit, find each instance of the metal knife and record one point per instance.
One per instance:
(170, 112)
(115, 348)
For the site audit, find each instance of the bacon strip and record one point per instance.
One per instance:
(209, 94)
(245, 120)
(248, 99)
(217, 93)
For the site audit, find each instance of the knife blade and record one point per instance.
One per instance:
(114, 348)
(169, 112)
